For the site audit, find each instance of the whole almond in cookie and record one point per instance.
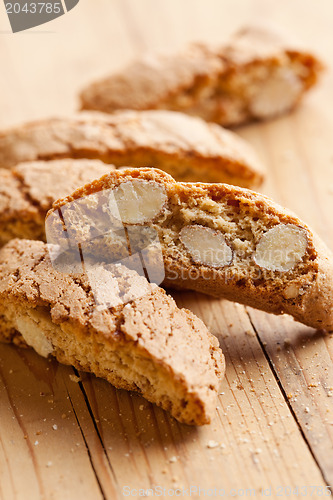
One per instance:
(206, 246)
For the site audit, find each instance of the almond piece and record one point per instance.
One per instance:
(277, 95)
(206, 246)
(137, 201)
(34, 336)
(291, 291)
(281, 248)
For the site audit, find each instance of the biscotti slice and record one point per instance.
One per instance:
(183, 146)
(217, 239)
(137, 341)
(28, 191)
(257, 75)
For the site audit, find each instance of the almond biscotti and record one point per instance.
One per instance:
(257, 75)
(28, 191)
(217, 239)
(185, 147)
(145, 344)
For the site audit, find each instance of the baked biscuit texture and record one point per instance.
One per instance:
(183, 146)
(147, 344)
(28, 191)
(217, 239)
(256, 75)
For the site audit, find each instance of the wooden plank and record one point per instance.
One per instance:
(42, 451)
(302, 359)
(93, 440)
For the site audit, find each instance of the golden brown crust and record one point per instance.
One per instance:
(239, 72)
(148, 345)
(185, 147)
(28, 191)
(243, 217)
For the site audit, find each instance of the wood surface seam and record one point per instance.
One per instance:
(285, 396)
(26, 437)
(104, 495)
(91, 413)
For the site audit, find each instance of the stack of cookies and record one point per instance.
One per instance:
(86, 240)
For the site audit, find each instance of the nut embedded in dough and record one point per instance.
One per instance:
(281, 248)
(34, 336)
(137, 201)
(206, 246)
(278, 94)
(291, 291)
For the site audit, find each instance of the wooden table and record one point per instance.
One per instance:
(273, 428)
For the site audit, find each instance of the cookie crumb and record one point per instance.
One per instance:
(212, 444)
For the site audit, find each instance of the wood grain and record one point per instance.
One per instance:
(274, 419)
(43, 452)
(302, 360)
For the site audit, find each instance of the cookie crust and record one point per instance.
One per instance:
(185, 147)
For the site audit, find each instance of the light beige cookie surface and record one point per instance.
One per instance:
(28, 191)
(217, 239)
(257, 75)
(144, 344)
(186, 147)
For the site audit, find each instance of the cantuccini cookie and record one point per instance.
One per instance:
(215, 238)
(257, 75)
(144, 344)
(185, 147)
(28, 191)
